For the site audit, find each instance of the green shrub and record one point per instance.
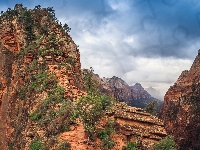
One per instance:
(43, 30)
(22, 93)
(92, 107)
(70, 60)
(167, 143)
(65, 128)
(32, 66)
(36, 145)
(74, 115)
(27, 19)
(151, 107)
(104, 135)
(35, 116)
(106, 141)
(132, 146)
(10, 146)
(66, 28)
(42, 81)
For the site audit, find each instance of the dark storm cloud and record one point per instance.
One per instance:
(174, 27)
(163, 28)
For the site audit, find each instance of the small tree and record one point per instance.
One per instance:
(132, 146)
(66, 28)
(151, 108)
(27, 19)
(91, 108)
(167, 143)
(1, 13)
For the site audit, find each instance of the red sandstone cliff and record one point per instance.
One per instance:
(181, 111)
(34, 57)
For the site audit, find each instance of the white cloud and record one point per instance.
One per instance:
(119, 5)
(159, 72)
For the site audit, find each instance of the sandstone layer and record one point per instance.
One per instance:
(135, 124)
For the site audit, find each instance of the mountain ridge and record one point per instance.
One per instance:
(135, 95)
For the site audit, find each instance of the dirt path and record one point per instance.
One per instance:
(77, 138)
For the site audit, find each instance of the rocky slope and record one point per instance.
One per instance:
(181, 111)
(40, 82)
(131, 124)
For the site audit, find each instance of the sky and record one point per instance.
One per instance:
(141, 41)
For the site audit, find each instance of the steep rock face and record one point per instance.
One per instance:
(28, 53)
(123, 92)
(181, 108)
(120, 88)
(138, 92)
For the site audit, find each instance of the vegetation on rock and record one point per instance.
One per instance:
(167, 143)
(92, 107)
(151, 108)
(105, 135)
(42, 101)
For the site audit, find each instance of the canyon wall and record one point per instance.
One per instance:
(181, 113)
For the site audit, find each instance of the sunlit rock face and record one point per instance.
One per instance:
(181, 110)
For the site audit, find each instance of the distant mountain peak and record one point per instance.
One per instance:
(155, 93)
(137, 86)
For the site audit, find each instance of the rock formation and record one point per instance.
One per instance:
(181, 111)
(134, 124)
(36, 55)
